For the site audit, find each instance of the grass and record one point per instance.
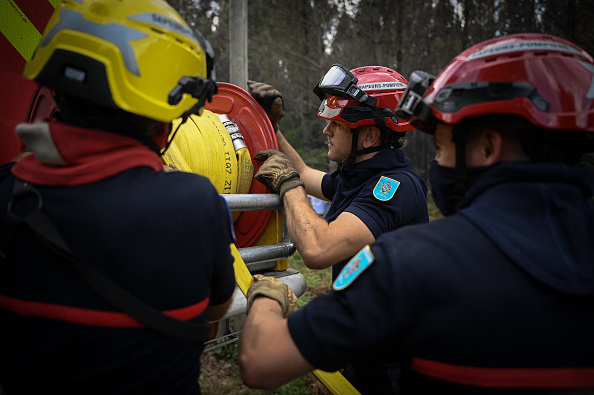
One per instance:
(318, 281)
(220, 375)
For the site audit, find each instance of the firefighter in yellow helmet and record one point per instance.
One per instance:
(111, 267)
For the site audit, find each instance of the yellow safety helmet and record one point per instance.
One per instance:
(139, 56)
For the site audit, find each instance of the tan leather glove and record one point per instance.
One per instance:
(277, 173)
(273, 289)
(270, 99)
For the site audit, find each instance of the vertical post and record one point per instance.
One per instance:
(238, 43)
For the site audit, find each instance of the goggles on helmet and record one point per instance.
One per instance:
(453, 97)
(412, 104)
(340, 82)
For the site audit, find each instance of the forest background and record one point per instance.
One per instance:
(292, 43)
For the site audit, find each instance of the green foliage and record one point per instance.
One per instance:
(292, 132)
(229, 352)
(434, 212)
(318, 281)
(317, 158)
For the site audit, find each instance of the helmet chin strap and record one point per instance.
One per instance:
(347, 165)
(184, 117)
(200, 88)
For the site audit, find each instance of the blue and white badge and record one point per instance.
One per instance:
(385, 189)
(354, 268)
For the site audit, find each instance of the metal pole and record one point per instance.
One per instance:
(253, 202)
(238, 43)
(261, 257)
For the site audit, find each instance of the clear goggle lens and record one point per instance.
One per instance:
(340, 82)
(333, 77)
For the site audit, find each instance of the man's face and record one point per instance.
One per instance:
(339, 141)
(446, 149)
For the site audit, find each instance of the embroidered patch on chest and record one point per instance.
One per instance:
(385, 189)
(354, 268)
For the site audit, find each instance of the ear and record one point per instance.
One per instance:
(489, 148)
(370, 137)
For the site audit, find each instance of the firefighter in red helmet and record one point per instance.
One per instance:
(376, 95)
(373, 191)
(470, 303)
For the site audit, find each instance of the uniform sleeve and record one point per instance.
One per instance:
(356, 324)
(328, 186)
(408, 205)
(223, 283)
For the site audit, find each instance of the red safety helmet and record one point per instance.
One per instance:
(365, 95)
(544, 79)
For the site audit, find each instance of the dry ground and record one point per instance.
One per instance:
(221, 376)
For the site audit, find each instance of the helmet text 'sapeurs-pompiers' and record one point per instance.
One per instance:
(138, 56)
(363, 96)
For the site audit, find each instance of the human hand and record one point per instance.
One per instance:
(270, 99)
(277, 173)
(273, 289)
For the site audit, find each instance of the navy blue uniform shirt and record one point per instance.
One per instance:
(163, 237)
(496, 297)
(356, 193)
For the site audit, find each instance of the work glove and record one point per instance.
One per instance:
(273, 289)
(277, 173)
(270, 99)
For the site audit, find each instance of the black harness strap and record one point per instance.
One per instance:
(52, 239)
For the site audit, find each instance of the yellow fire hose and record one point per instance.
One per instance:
(229, 170)
(211, 134)
(336, 383)
(202, 145)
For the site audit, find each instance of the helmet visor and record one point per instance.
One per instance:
(335, 76)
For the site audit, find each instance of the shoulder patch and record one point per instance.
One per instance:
(385, 189)
(354, 268)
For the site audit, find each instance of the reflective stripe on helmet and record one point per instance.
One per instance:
(524, 46)
(118, 35)
(388, 85)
